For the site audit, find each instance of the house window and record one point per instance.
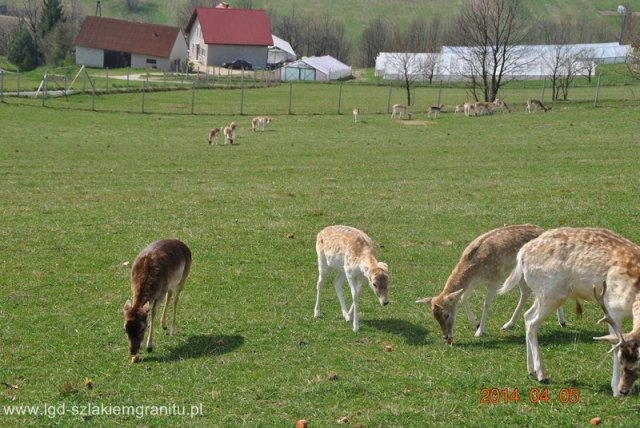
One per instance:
(151, 61)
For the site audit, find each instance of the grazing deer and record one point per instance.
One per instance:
(356, 114)
(213, 135)
(230, 133)
(260, 123)
(470, 109)
(459, 109)
(434, 110)
(483, 107)
(399, 110)
(351, 253)
(626, 346)
(533, 105)
(487, 260)
(159, 271)
(566, 262)
(500, 105)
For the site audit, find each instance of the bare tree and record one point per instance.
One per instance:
(409, 68)
(373, 41)
(491, 30)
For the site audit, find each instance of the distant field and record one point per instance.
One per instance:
(82, 192)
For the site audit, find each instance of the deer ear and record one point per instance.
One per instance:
(127, 305)
(425, 301)
(455, 296)
(383, 266)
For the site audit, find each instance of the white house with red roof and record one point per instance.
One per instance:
(219, 35)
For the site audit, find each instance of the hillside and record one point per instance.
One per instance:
(355, 13)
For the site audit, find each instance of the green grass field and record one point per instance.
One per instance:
(83, 192)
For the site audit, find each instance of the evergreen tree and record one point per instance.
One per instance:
(52, 13)
(22, 49)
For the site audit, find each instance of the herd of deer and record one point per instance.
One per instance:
(469, 109)
(557, 264)
(258, 123)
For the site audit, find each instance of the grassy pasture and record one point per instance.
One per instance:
(82, 192)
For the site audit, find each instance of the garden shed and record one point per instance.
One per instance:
(322, 68)
(280, 52)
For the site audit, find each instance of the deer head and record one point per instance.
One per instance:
(626, 346)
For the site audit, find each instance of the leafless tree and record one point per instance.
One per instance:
(409, 67)
(492, 31)
(373, 41)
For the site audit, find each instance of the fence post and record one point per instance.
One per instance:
(193, 96)
(340, 97)
(44, 88)
(1, 86)
(93, 93)
(66, 89)
(107, 76)
(544, 84)
(128, 71)
(18, 80)
(290, 92)
(389, 98)
(242, 92)
(144, 87)
(595, 102)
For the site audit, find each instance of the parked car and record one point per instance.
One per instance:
(238, 64)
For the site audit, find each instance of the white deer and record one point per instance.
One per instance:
(399, 110)
(356, 114)
(159, 271)
(351, 253)
(567, 262)
(533, 105)
(260, 123)
(487, 260)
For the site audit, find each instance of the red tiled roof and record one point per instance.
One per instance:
(232, 26)
(127, 36)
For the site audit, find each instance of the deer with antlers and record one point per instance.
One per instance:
(566, 262)
(626, 346)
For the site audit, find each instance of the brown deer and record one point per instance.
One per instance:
(351, 253)
(434, 110)
(564, 263)
(213, 135)
(159, 271)
(229, 133)
(533, 105)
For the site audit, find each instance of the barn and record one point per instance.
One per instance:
(116, 43)
(320, 68)
(218, 35)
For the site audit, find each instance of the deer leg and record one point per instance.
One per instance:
(355, 294)
(525, 292)
(533, 318)
(467, 307)
(175, 312)
(154, 307)
(338, 283)
(167, 299)
(491, 293)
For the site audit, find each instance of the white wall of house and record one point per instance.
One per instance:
(89, 57)
(197, 47)
(218, 54)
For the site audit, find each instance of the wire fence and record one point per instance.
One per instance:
(256, 93)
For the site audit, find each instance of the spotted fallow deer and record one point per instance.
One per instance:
(399, 110)
(230, 133)
(351, 253)
(487, 260)
(567, 262)
(159, 271)
(434, 111)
